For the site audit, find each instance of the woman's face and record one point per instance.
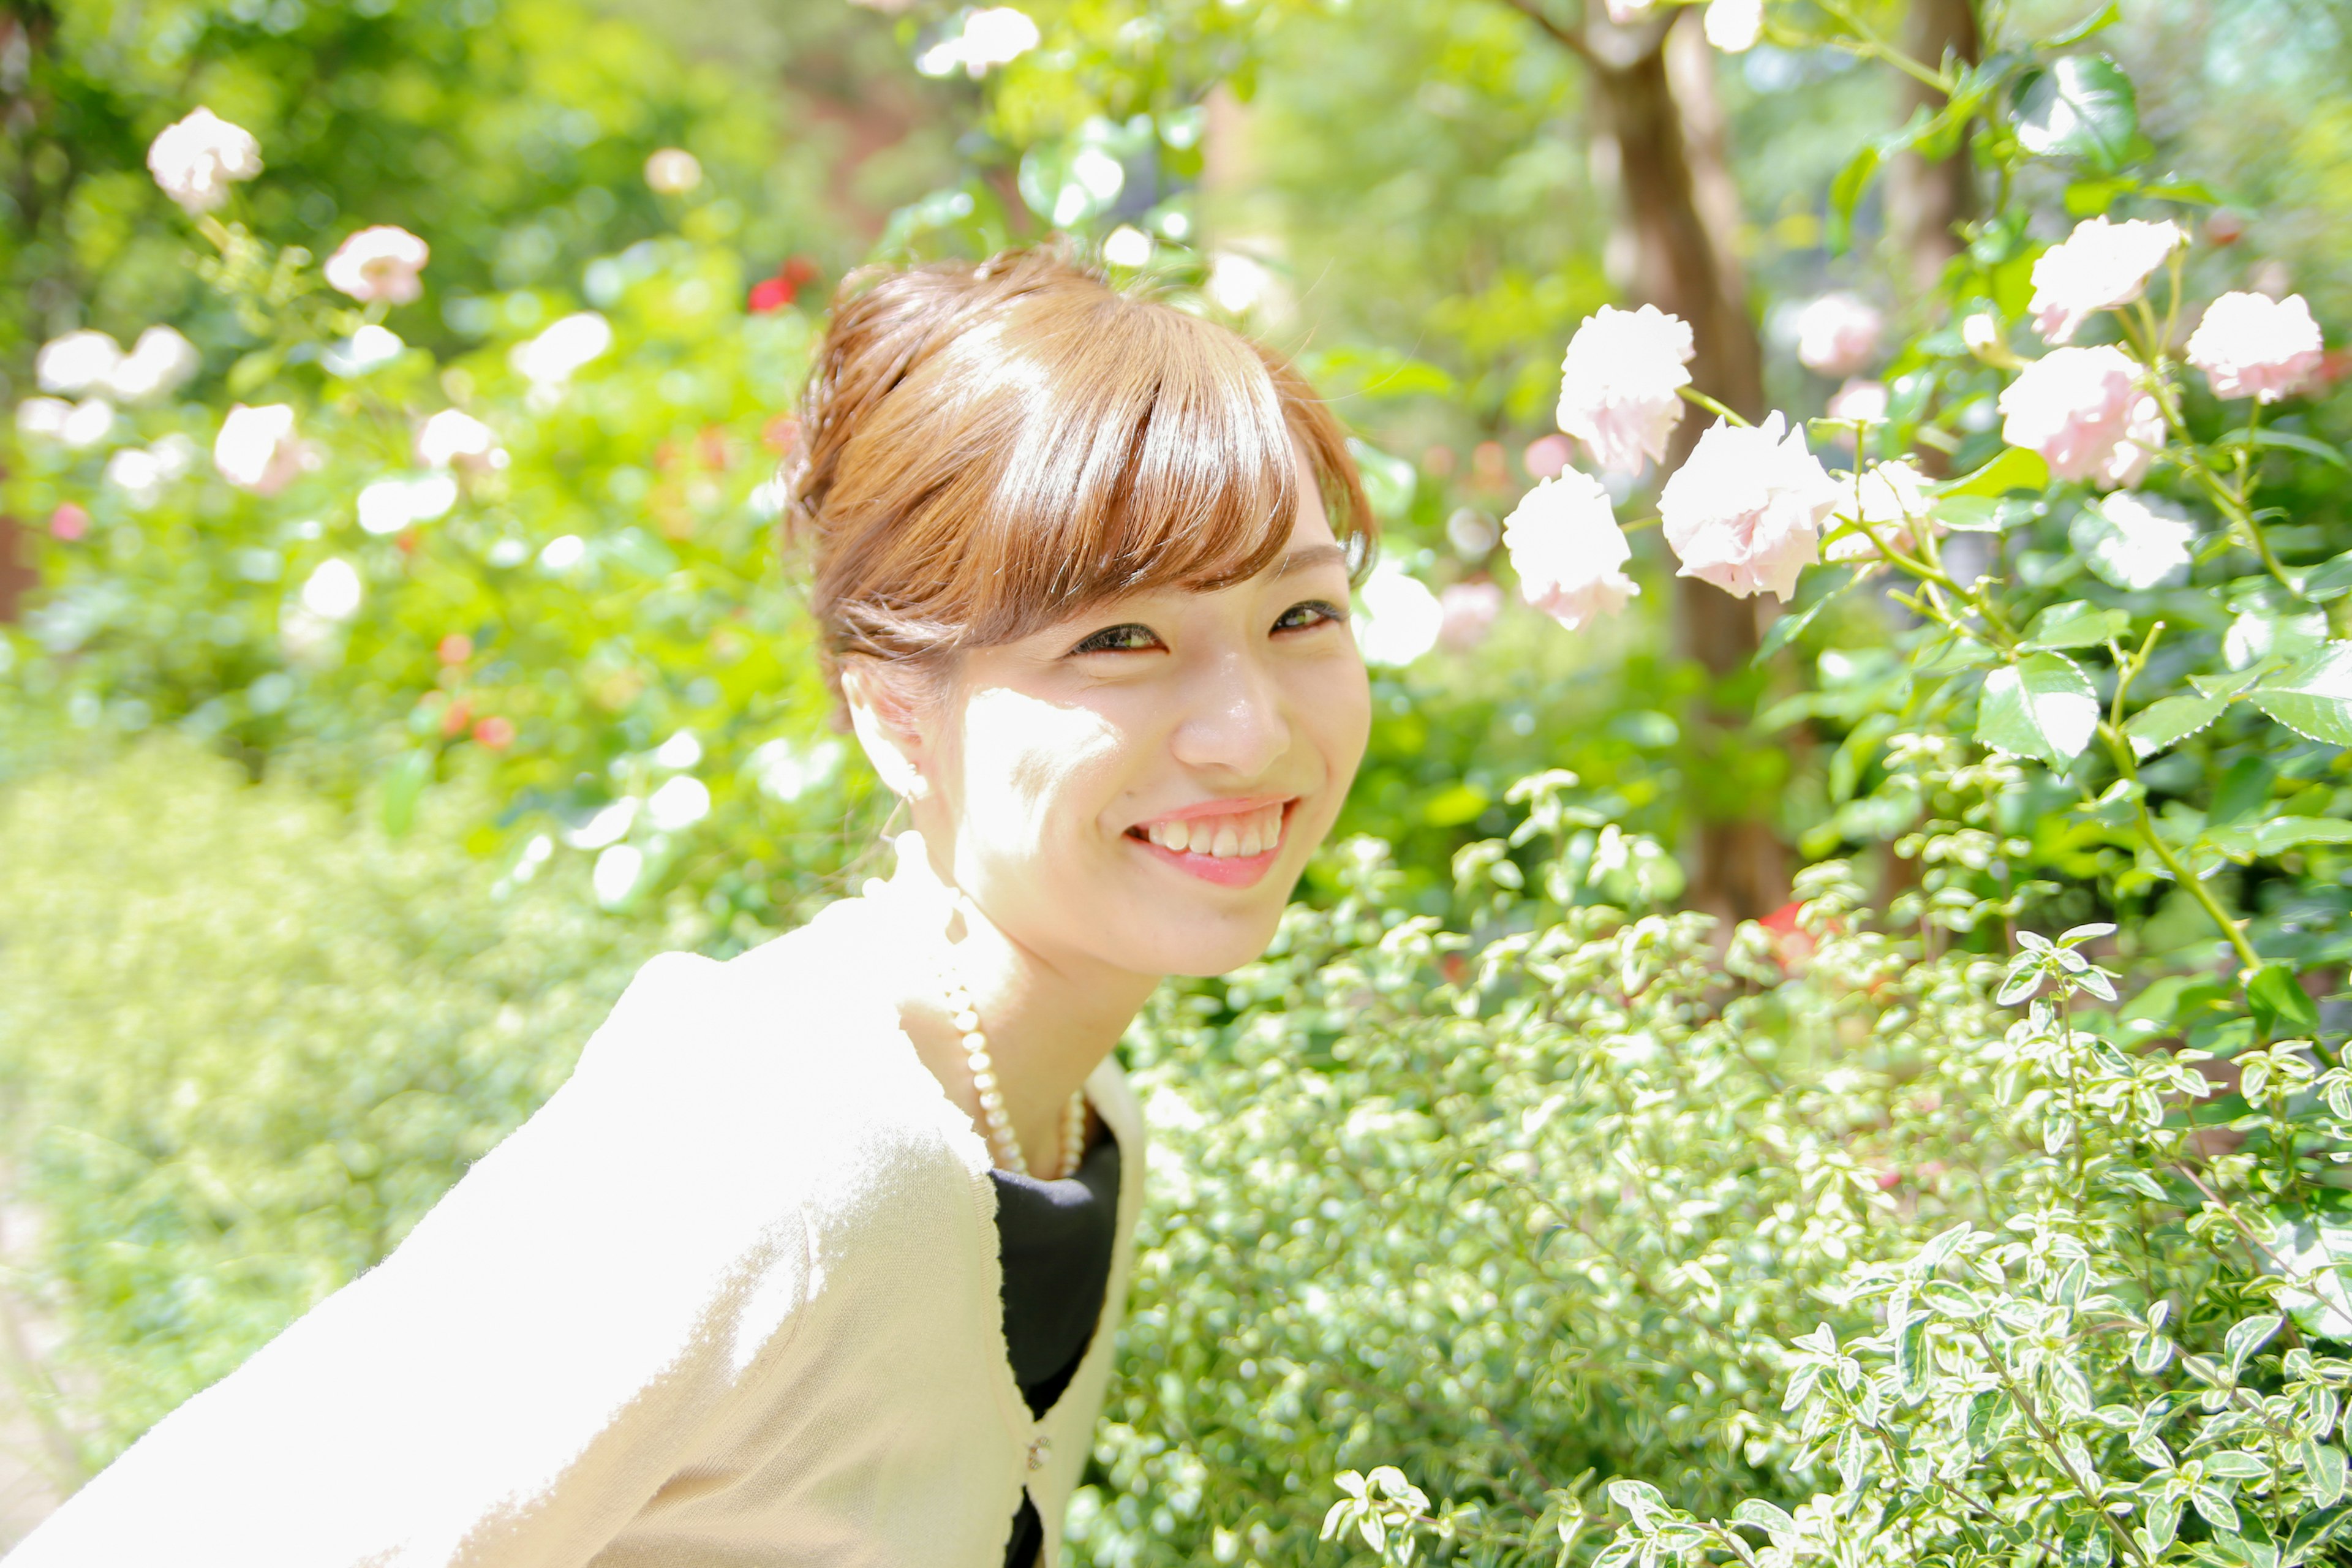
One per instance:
(1140, 787)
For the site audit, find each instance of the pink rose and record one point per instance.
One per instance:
(1837, 334)
(258, 450)
(2083, 409)
(2250, 345)
(1892, 498)
(2099, 267)
(1745, 511)
(1568, 550)
(1547, 456)
(1470, 609)
(379, 264)
(197, 158)
(1619, 385)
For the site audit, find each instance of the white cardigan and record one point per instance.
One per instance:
(730, 1299)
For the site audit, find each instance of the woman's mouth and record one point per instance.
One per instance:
(1217, 843)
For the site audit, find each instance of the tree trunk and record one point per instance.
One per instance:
(1926, 203)
(1681, 209)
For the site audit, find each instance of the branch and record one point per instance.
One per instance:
(1570, 38)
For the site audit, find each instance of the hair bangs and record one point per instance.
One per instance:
(998, 448)
(1162, 458)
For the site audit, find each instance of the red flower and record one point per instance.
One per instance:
(456, 648)
(494, 733)
(771, 294)
(69, 523)
(455, 718)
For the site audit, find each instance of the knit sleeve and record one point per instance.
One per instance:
(526, 1369)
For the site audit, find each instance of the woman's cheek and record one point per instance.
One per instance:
(1341, 710)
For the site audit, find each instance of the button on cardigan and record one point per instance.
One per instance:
(729, 1300)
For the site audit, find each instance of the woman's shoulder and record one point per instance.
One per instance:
(797, 1036)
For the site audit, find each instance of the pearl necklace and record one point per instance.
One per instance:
(1002, 1143)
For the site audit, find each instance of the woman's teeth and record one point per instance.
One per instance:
(1239, 835)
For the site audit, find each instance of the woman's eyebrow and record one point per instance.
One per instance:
(1314, 555)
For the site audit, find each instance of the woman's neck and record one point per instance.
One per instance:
(1050, 1017)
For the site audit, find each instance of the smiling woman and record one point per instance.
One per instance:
(818, 1257)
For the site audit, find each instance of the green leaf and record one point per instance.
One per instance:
(1911, 1355)
(2133, 542)
(1770, 1518)
(2244, 1338)
(2328, 579)
(2318, 1528)
(1954, 654)
(2313, 697)
(2085, 1545)
(1781, 632)
(2169, 721)
(2075, 624)
(250, 371)
(2324, 1465)
(2083, 105)
(2286, 441)
(2236, 1463)
(2276, 999)
(1389, 480)
(1969, 514)
(2099, 21)
(1845, 195)
(2214, 1504)
(402, 784)
(2284, 833)
(2042, 706)
(2016, 469)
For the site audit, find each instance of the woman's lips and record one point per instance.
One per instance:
(1230, 870)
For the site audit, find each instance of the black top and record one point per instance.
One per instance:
(1055, 1240)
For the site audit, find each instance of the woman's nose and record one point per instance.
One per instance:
(1236, 721)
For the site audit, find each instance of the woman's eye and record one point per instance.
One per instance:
(1312, 613)
(1131, 637)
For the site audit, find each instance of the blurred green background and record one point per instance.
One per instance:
(326, 833)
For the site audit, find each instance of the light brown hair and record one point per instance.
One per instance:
(988, 448)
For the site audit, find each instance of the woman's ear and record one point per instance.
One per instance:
(886, 727)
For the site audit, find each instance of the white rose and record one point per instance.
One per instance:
(553, 357)
(1859, 401)
(77, 362)
(1401, 617)
(157, 366)
(454, 439)
(1619, 384)
(2099, 267)
(2251, 346)
(1570, 553)
(1734, 25)
(197, 158)
(1745, 511)
(379, 264)
(258, 449)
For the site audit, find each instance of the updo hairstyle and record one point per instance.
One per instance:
(988, 448)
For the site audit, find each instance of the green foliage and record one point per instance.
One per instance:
(242, 1047)
(1613, 1245)
(509, 135)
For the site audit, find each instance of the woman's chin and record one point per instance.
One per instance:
(1212, 946)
